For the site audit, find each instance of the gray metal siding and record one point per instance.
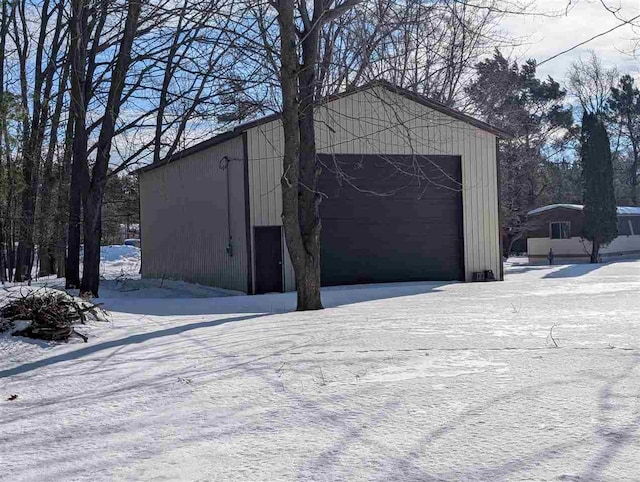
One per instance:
(184, 219)
(377, 121)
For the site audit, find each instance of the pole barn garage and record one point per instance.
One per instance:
(410, 192)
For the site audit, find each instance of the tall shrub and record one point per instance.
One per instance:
(600, 217)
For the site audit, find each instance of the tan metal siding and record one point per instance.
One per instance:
(184, 219)
(377, 121)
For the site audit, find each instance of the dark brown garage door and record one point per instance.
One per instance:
(391, 218)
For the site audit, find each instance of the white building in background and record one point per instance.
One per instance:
(558, 227)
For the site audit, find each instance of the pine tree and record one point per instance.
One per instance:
(600, 217)
(625, 106)
(511, 96)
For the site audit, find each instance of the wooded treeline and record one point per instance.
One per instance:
(543, 163)
(90, 89)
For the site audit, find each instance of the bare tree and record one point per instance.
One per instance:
(590, 83)
(47, 47)
(625, 108)
(80, 29)
(44, 220)
(300, 196)
(427, 47)
(92, 203)
(5, 22)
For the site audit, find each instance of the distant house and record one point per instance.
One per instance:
(416, 198)
(559, 226)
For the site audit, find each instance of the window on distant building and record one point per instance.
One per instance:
(624, 227)
(560, 230)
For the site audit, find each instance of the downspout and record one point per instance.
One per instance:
(224, 165)
(139, 174)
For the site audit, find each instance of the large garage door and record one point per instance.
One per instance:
(391, 218)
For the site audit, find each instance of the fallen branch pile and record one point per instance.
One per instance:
(52, 315)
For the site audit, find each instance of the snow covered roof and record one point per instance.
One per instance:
(629, 210)
(577, 207)
(622, 210)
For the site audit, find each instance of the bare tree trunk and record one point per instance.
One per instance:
(46, 216)
(78, 59)
(308, 196)
(4, 28)
(595, 250)
(10, 209)
(300, 197)
(634, 180)
(308, 290)
(72, 264)
(62, 202)
(92, 212)
(92, 234)
(634, 164)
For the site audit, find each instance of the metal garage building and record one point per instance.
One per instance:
(416, 198)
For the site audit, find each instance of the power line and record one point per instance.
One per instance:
(601, 34)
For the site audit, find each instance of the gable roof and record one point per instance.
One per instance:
(621, 210)
(438, 106)
(420, 99)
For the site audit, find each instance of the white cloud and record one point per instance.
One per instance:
(544, 37)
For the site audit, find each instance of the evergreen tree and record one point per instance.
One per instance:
(625, 107)
(512, 97)
(120, 209)
(600, 218)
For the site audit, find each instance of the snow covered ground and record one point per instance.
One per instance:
(120, 278)
(119, 261)
(419, 381)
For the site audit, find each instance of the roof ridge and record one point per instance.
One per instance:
(413, 96)
(621, 210)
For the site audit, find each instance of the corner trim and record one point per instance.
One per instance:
(463, 256)
(140, 225)
(499, 201)
(247, 213)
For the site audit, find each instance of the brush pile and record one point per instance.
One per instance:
(52, 315)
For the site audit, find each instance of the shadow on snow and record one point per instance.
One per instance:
(574, 270)
(129, 340)
(268, 303)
